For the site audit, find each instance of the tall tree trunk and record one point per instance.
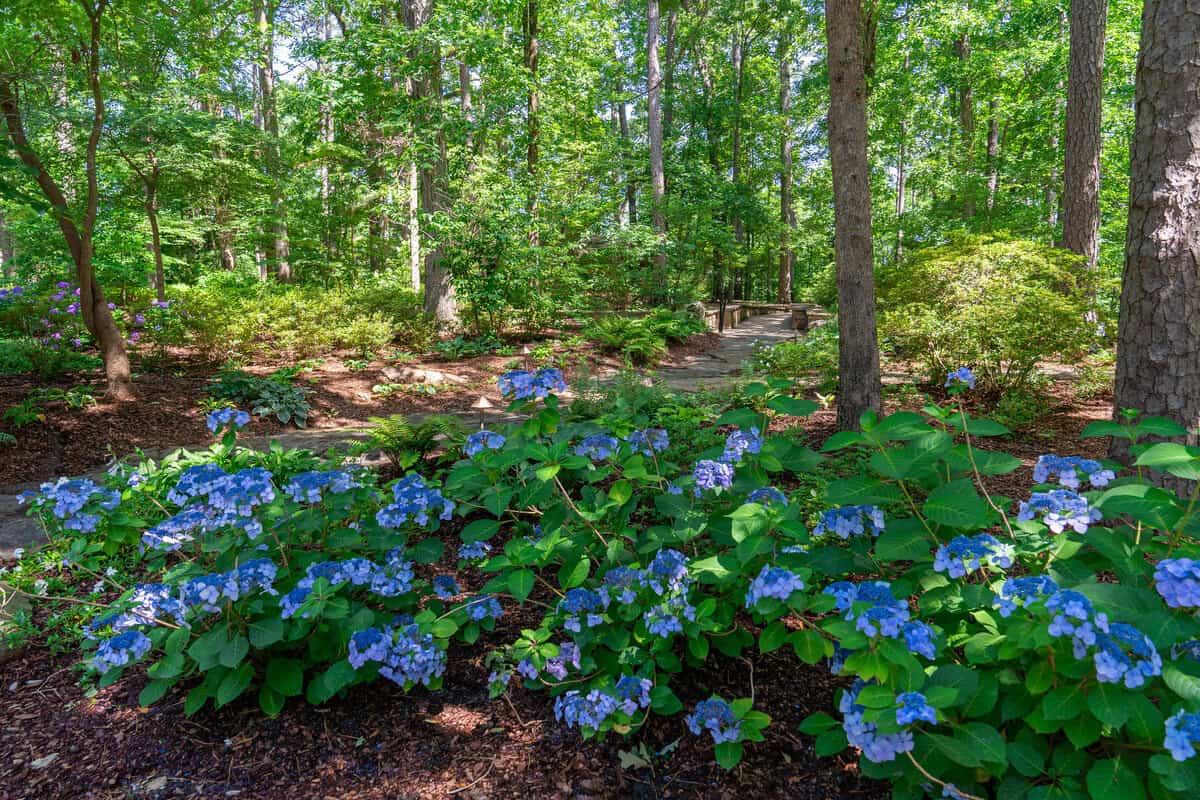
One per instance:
(859, 386)
(8, 248)
(464, 106)
(993, 153)
(529, 20)
(1052, 198)
(426, 87)
(966, 120)
(93, 306)
(222, 218)
(669, 71)
(280, 259)
(658, 182)
(1158, 345)
(787, 215)
(327, 137)
(630, 179)
(1081, 167)
(151, 184)
(901, 177)
(414, 226)
(737, 58)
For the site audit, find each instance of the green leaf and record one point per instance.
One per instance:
(984, 740)
(234, 683)
(956, 504)
(1112, 778)
(664, 702)
(330, 682)
(153, 691)
(860, 490)
(443, 628)
(620, 492)
(1109, 704)
(481, 530)
(809, 645)
(728, 754)
(520, 584)
(773, 637)
(265, 631)
(234, 651)
(547, 472)
(1182, 683)
(792, 406)
(285, 676)
(270, 701)
(195, 700)
(1063, 703)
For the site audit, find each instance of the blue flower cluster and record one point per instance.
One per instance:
(1067, 470)
(668, 572)
(767, 495)
(962, 375)
(472, 551)
(70, 496)
(582, 608)
(522, 384)
(712, 475)
(1183, 733)
(966, 554)
(648, 441)
(208, 591)
(875, 746)
(775, 582)
(1178, 581)
(850, 521)
(1023, 591)
(227, 500)
(391, 579)
(147, 603)
(233, 417)
(310, 487)
(569, 655)
(483, 607)
(414, 500)
(913, 707)
(883, 615)
(1060, 509)
(482, 440)
(666, 618)
(597, 447)
(715, 716)
(738, 443)
(1126, 655)
(124, 648)
(408, 657)
(445, 587)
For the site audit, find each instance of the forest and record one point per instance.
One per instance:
(599, 398)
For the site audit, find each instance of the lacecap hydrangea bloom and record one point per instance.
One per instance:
(597, 447)
(776, 582)
(1067, 470)
(717, 717)
(579, 710)
(210, 592)
(582, 608)
(407, 656)
(482, 440)
(1177, 580)
(666, 618)
(766, 496)
(414, 500)
(311, 486)
(521, 384)
(960, 376)
(648, 441)
(70, 496)
(1126, 655)
(391, 579)
(1060, 509)
(874, 611)
(472, 551)
(1023, 591)
(445, 587)
(712, 476)
(875, 746)
(1183, 733)
(222, 417)
(738, 443)
(850, 521)
(914, 708)
(965, 554)
(483, 607)
(124, 648)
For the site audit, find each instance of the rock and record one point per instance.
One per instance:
(697, 310)
(418, 375)
(155, 784)
(44, 761)
(11, 603)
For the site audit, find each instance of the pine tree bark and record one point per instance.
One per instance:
(658, 182)
(787, 214)
(859, 383)
(1081, 167)
(426, 89)
(1158, 346)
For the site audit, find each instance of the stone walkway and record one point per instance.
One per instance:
(716, 367)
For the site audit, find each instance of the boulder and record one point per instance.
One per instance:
(418, 375)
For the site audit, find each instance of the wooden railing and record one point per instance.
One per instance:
(804, 315)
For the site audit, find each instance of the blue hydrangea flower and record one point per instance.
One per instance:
(874, 611)
(850, 521)
(1022, 591)
(569, 655)
(962, 375)
(968, 553)
(498, 681)
(526, 668)
(217, 420)
(715, 716)
(918, 638)
(124, 648)
(1126, 655)
(70, 496)
(634, 693)
(391, 579)
(484, 607)
(474, 550)
(667, 617)
(208, 592)
(445, 587)
(1183, 732)
(1067, 470)
(310, 487)
(667, 572)
(712, 476)
(1177, 580)
(775, 582)
(483, 440)
(913, 707)
(582, 608)
(1060, 509)
(597, 447)
(620, 584)
(738, 443)
(766, 496)
(1074, 616)
(522, 385)
(648, 441)
(875, 746)
(174, 532)
(407, 656)
(590, 711)
(838, 662)
(414, 500)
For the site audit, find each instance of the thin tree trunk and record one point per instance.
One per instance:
(669, 72)
(901, 186)
(93, 306)
(966, 119)
(993, 153)
(859, 389)
(1052, 199)
(787, 215)
(1081, 167)
(1158, 346)
(327, 137)
(630, 180)
(151, 185)
(264, 15)
(529, 20)
(464, 106)
(414, 226)
(8, 258)
(658, 183)
(440, 302)
(737, 57)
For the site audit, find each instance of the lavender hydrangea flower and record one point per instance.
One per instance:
(582, 608)
(407, 656)
(1067, 470)
(634, 694)
(738, 443)
(1177, 580)
(1126, 655)
(1183, 733)
(965, 554)
(667, 572)
(597, 447)
(522, 385)
(472, 551)
(589, 711)
(310, 487)
(774, 582)
(874, 611)
(483, 440)
(484, 607)
(712, 476)
(621, 584)
(1026, 590)
(648, 441)
(445, 587)
(850, 521)
(717, 717)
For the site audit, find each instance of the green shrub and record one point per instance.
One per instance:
(406, 443)
(1000, 305)
(464, 347)
(815, 353)
(274, 395)
(643, 340)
